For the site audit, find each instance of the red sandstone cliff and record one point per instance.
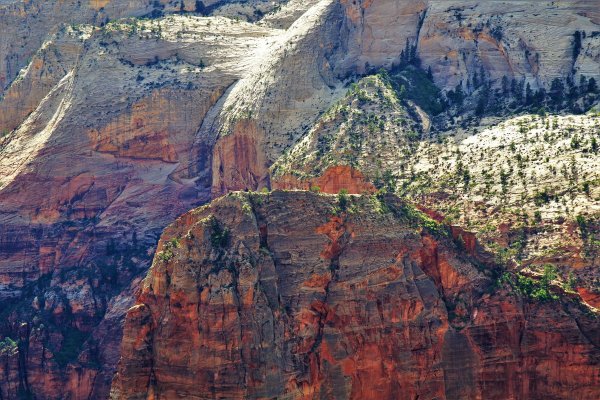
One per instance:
(332, 181)
(287, 295)
(115, 129)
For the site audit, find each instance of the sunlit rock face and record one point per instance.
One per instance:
(272, 296)
(112, 126)
(26, 24)
(108, 157)
(461, 42)
(534, 40)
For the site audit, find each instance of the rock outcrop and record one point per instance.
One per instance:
(333, 180)
(336, 41)
(27, 24)
(89, 180)
(302, 296)
(543, 166)
(112, 125)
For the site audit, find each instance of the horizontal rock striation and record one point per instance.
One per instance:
(110, 130)
(462, 42)
(287, 295)
(90, 178)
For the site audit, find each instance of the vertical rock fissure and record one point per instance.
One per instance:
(420, 23)
(151, 385)
(323, 312)
(92, 383)
(263, 235)
(238, 300)
(23, 348)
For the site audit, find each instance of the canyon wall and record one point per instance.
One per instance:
(110, 128)
(90, 178)
(282, 296)
(27, 24)
(336, 41)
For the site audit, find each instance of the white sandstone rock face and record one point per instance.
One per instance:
(286, 14)
(51, 63)
(378, 31)
(521, 39)
(121, 124)
(27, 24)
(291, 82)
(300, 77)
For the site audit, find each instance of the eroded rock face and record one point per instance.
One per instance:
(332, 181)
(461, 41)
(113, 131)
(280, 97)
(460, 38)
(26, 25)
(89, 180)
(528, 162)
(263, 296)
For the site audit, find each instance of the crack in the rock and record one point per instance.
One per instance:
(323, 313)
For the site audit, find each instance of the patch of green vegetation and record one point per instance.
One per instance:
(343, 199)
(571, 283)
(71, 345)
(387, 181)
(416, 218)
(503, 255)
(219, 236)
(544, 197)
(415, 84)
(247, 208)
(583, 226)
(8, 346)
(534, 289)
(167, 254)
(378, 203)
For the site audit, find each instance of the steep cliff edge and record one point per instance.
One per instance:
(462, 43)
(299, 295)
(89, 179)
(112, 129)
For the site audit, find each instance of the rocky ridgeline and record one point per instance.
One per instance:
(299, 295)
(112, 126)
(26, 24)
(527, 185)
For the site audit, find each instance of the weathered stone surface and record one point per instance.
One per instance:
(89, 180)
(521, 183)
(507, 38)
(333, 180)
(110, 132)
(301, 76)
(293, 302)
(280, 97)
(26, 25)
